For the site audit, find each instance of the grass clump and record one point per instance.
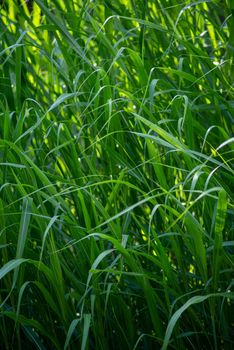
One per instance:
(116, 177)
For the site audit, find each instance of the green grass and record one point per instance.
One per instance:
(116, 176)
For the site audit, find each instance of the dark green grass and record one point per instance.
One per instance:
(116, 175)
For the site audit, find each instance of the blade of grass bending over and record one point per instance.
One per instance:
(128, 209)
(161, 132)
(141, 21)
(194, 300)
(11, 265)
(137, 272)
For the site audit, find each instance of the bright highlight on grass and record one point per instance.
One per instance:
(116, 174)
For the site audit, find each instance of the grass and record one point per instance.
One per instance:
(116, 177)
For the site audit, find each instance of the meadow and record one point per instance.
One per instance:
(116, 174)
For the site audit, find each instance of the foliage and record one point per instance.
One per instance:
(116, 177)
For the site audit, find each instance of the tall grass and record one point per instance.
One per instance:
(116, 193)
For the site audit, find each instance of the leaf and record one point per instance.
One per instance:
(61, 99)
(11, 265)
(71, 330)
(194, 300)
(87, 319)
(221, 213)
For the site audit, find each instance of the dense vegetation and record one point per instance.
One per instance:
(116, 176)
